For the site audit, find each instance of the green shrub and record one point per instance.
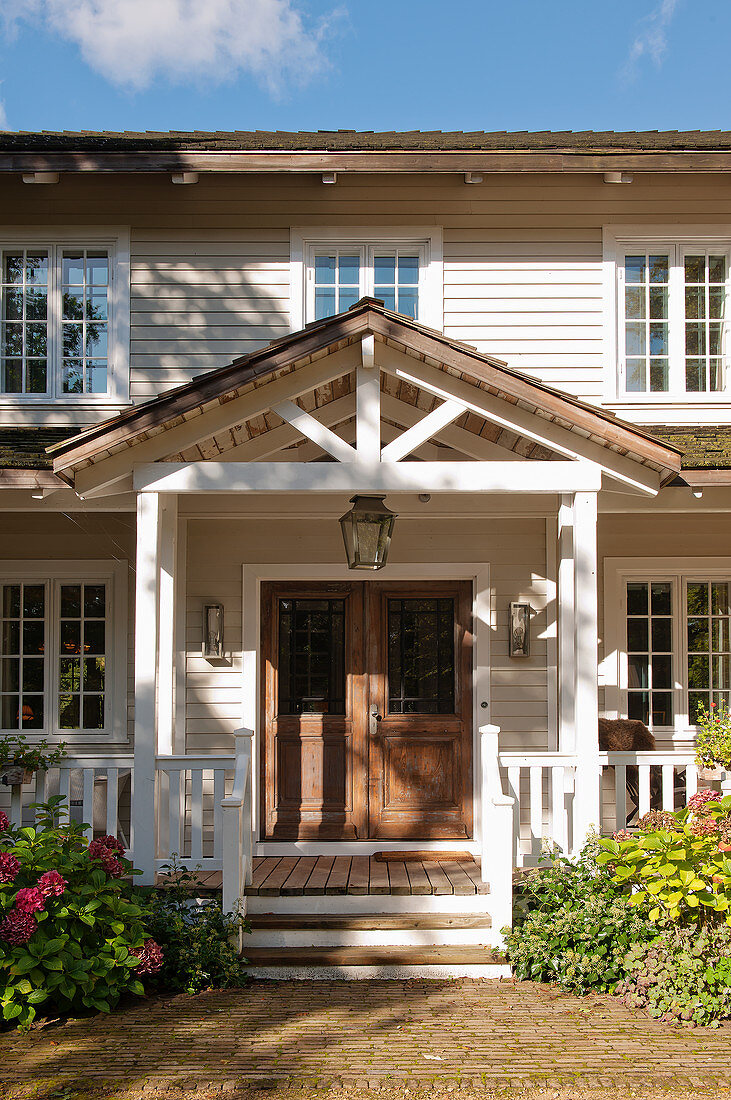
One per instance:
(70, 938)
(199, 941)
(683, 977)
(573, 925)
(679, 872)
(713, 737)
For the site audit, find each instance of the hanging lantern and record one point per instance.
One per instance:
(367, 530)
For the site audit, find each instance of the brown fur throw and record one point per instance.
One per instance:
(624, 735)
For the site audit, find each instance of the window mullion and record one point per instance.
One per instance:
(676, 315)
(680, 661)
(54, 324)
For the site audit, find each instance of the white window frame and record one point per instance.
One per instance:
(117, 243)
(614, 666)
(52, 574)
(305, 242)
(677, 241)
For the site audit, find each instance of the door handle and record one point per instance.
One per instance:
(373, 719)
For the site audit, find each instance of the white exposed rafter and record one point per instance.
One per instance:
(314, 430)
(423, 430)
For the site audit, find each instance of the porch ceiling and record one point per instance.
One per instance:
(230, 413)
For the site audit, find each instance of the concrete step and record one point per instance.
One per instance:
(385, 962)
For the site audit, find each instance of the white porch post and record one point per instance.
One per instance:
(146, 664)
(168, 616)
(578, 659)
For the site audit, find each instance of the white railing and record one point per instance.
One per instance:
(497, 816)
(190, 791)
(97, 791)
(632, 783)
(237, 828)
(626, 785)
(541, 785)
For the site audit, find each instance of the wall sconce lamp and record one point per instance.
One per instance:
(519, 630)
(213, 630)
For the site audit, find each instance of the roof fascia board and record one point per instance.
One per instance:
(218, 419)
(379, 161)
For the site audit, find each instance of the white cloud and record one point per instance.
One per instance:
(651, 40)
(133, 42)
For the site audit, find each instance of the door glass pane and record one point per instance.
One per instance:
(421, 656)
(311, 656)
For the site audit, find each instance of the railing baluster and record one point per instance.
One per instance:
(16, 806)
(112, 802)
(41, 782)
(536, 808)
(644, 785)
(64, 785)
(668, 787)
(691, 780)
(196, 813)
(558, 804)
(218, 794)
(514, 792)
(87, 809)
(620, 797)
(174, 845)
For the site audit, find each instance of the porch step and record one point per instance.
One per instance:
(405, 931)
(367, 923)
(393, 962)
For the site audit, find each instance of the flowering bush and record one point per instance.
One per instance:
(683, 977)
(71, 934)
(573, 925)
(34, 755)
(713, 739)
(678, 868)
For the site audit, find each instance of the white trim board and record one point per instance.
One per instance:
(483, 611)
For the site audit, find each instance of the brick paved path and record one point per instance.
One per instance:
(437, 1035)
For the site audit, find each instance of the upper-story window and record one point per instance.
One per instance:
(671, 318)
(340, 276)
(332, 269)
(64, 316)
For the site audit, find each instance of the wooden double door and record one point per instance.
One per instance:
(366, 710)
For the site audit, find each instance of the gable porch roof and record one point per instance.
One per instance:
(428, 350)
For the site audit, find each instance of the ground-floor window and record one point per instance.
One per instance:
(672, 642)
(56, 644)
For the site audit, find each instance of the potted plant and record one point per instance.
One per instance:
(713, 742)
(20, 758)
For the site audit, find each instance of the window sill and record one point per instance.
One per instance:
(58, 412)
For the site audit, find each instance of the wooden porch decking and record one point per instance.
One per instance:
(290, 876)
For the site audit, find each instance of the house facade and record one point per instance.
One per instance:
(211, 343)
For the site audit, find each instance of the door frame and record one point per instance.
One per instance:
(483, 623)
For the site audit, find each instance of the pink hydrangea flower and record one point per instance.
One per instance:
(30, 900)
(17, 928)
(111, 843)
(150, 956)
(9, 867)
(4, 823)
(51, 884)
(698, 800)
(100, 852)
(623, 834)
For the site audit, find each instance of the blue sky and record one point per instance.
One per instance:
(364, 64)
